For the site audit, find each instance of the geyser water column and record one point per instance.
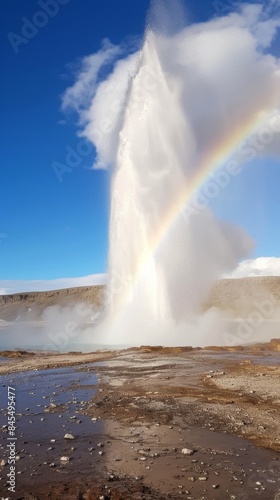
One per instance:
(154, 142)
(195, 99)
(197, 93)
(161, 261)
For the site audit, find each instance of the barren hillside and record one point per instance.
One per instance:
(30, 305)
(245, 294)
(239, 296)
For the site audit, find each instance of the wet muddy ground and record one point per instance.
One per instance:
(146, 424)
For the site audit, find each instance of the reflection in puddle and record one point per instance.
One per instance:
(43, 391)
(50, 404)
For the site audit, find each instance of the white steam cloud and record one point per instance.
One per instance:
(228, 71)
(158, 118)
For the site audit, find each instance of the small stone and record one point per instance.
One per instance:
(142, 452)
(65, 459)
(69, 436)
(202, 478)
(187, 451)
(215, 486)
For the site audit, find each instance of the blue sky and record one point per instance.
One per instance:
(51, 229)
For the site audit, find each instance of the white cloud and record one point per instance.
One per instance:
(262, 266)
(228, 77)
(78, 96)
(99, 102)
(16, 286)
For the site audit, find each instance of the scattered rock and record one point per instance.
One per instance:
(187, 451)
(69, 436)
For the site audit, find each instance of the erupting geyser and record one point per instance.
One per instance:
(185, 105)
(163, 259)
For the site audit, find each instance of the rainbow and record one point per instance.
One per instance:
(214, 160)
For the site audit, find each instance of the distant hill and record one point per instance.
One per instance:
(238, 296)
(30, 305)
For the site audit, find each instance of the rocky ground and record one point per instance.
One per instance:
(147, 423)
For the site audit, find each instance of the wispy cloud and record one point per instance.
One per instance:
(16, 286)
(262, 266)
(98, 98)
(79, 95)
